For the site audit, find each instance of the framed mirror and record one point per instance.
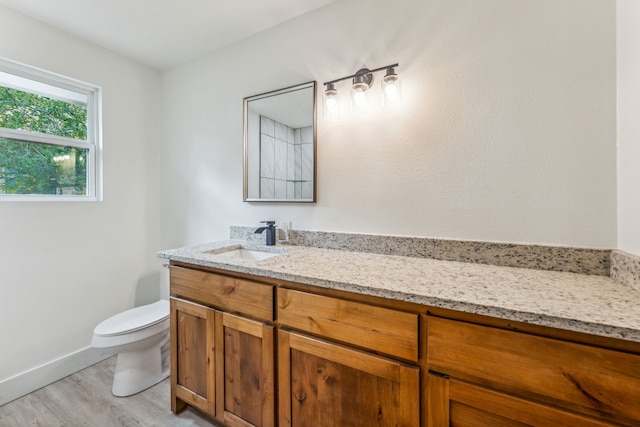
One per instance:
(280, 145)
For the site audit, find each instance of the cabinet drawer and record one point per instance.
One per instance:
(230, 294)
(385, 331)
(585, 378)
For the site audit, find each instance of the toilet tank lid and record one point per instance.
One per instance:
(134, 319)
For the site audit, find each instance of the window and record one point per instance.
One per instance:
(50, 138)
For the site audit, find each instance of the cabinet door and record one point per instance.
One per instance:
(326, 384)
(192, 356)
(457, 403)
(245, 384)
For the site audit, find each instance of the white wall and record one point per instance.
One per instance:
(628, 45)
(508, 130)
(65, 267)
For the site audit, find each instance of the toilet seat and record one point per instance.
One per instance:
(134, 319)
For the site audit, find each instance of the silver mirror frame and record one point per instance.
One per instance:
(246, 102)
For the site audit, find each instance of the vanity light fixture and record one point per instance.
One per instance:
(391, 94)
(331, 102)
(361, 83)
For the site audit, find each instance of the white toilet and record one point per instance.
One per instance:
(140, 337)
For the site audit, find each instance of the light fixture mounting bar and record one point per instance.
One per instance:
(360, 73)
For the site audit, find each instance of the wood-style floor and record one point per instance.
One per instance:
(85, 399)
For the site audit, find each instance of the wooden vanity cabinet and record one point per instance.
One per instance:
(222, 347)
(342, 359)
(336, 367)
(482, 375)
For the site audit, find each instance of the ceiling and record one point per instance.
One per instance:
(163, 33)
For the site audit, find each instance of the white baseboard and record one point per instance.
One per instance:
(25, 382)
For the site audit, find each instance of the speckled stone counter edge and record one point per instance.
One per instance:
(625, 268)
(552, 258)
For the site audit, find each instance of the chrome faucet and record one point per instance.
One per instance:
(271, 232)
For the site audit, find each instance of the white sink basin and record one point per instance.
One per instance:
(248, 254)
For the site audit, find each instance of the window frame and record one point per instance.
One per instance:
(93, 143)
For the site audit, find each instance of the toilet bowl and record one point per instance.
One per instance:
(140, 337)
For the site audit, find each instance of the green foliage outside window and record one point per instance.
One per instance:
(37, 168)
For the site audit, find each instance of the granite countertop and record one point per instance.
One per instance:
(592, 304)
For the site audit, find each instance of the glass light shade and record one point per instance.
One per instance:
(391, 92)
(331, 103)
(359, 95)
